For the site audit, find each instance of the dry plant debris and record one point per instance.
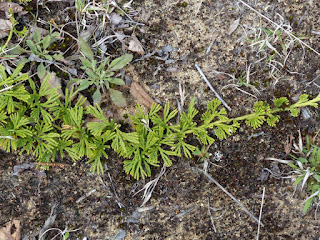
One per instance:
(135, 45)
(141, 95)
(11, 231)
(5, 28)
(6, 6)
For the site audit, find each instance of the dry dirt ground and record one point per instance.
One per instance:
(184, 204)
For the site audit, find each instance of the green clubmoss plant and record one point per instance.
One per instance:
(36, 120)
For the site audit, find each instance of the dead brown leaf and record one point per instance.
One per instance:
(233, 26)
(140, 94)
(135, 45)
(288, 144)
(5, 28)
(145, 15)
(5, 6)
(11, 231)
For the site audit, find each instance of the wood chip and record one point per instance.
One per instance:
(140, 94)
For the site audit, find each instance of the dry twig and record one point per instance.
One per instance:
(210, 86)
(232, 197)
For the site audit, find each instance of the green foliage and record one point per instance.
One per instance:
(42, 100)
(307, 171)
(152, 142)
(25, 2)
(12, 91)
(274, 42)
(101, 75)
(39, 122)
(80, 5)
(202, 153)
(40, 46)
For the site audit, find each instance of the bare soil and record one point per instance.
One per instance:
(179, 206)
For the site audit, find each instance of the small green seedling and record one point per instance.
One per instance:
(102, 75)
(39, 46)
(202, 153)
(307, 170)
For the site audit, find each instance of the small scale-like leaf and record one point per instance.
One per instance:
(58, 57)
(120, 62)
(32, 46)
(37, 36)
(117, 98)
(41, 71)
(117, 81)
(85, 49)
(96, 96)
(84, 84)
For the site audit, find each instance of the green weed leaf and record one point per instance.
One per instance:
(120, 62)
(85, 49)
(117, 98)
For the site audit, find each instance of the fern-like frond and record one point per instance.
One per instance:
(45, 140)
(134, 166)
(163, 122)
(98, 128)
(61, 110)
(213, 112)
(76, 114)
(96, 154)
(121, 142)
(164, 155)
(294, 112)
(187, 149)
(65, 146)
(3, 117)
(255, 121)
(223, 130)
(278, 102)
(272, 119)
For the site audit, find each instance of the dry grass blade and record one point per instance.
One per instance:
(279, 160)
(280, 27)
(212, 89)
(262, 201)
(150, 186)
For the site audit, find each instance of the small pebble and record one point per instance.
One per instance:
(155, 86)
